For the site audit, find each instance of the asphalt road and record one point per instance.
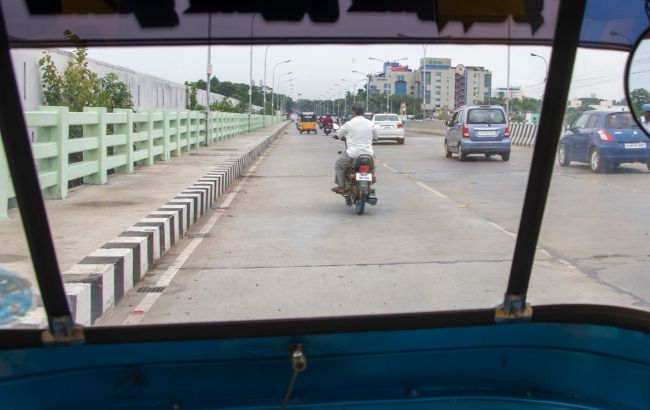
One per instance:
(441, 237)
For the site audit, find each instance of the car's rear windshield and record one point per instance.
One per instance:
(486, 116)
(386, 118)
(620, 120)
(308, 118)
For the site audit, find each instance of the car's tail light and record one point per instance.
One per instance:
(465, 131)
(400, 125)
(364, 168)
(604, 135)
(507, 131)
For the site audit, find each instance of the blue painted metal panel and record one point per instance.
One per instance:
(525, 365)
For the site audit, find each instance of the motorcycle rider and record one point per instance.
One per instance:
(359, 133)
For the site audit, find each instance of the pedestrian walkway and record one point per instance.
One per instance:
(93, 216)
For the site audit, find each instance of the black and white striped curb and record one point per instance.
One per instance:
(101, 279)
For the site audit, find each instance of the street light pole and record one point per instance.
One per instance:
(250, 86)
(208, 117)
(367, 76)
(273, 82)
(424, 86)
(280, 84)
(278, 95)
(264, 89)
(545, 65)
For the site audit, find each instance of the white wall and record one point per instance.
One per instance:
(148, 91)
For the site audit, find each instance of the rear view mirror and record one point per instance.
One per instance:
(637, 82)
(448, 123)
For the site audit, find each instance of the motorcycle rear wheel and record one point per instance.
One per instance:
(360, 204)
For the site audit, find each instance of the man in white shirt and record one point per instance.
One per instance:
(359, 133)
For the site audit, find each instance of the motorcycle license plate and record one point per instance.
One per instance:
(364, 177)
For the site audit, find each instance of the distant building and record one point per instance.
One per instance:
(476, 83)
(436, 81)
(514, 92)
(394, 80)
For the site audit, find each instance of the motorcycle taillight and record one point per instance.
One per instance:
(364, 168)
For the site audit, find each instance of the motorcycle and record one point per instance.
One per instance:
(327, 129)
(358, 180)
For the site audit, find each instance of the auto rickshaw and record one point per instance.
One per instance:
(307, 123)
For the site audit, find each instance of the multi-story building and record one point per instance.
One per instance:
(394, 80)
(437, 82)
(439, 85)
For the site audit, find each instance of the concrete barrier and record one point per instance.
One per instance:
(520, 134)
(115, 141)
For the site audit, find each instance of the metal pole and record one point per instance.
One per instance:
(273, 84)
(508, 79)
(264, 88)
(545, 65)
(250, 85)
(424, 87)
(207, 87)
(367, 91)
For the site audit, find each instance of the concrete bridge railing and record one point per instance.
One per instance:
(520, 134)
(119, 141)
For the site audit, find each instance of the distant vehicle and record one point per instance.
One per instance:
(389, 127)
(478, 129)
(308, 123)
(604, 139)
(368, 115)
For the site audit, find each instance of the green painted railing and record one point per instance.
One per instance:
(118, 141)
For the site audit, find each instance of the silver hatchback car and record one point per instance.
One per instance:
(478, 129)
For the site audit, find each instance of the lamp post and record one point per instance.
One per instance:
(334, 93)
(345, 95)
(545, 65)
(367, 85)
(208, 117)
(264, 89)
(424, 78)
(284, 98)
(273, 81)
(278, 83)
(386, 74)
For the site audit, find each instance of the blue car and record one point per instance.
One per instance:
(604, 139)
(478, 129)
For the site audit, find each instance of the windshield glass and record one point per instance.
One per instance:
(186, 198)
(486, 116)
(620, 121)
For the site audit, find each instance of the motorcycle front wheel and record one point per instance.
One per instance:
(360, 204)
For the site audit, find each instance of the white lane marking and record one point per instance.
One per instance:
(392, 169)
(499, 227)
(433, 191)
(502, 229)
(137, 314)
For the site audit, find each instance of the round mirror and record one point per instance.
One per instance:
(637, 82)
